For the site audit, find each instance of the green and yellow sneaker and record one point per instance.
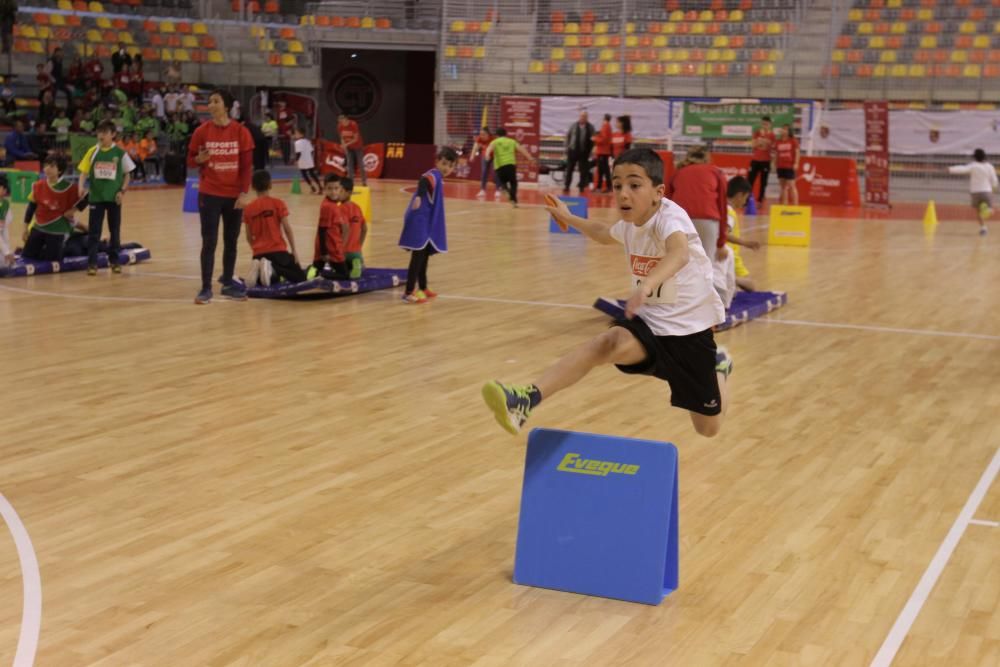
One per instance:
(511, 404)
(723, 362)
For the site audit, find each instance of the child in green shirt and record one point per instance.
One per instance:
(105, 172)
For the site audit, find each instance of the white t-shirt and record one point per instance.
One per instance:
(304, 148)
(982, 176)
(685, 304)
(158, 105)
(187, 101)
(171, 99)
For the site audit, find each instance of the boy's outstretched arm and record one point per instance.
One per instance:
(596, 231)
(674, 259)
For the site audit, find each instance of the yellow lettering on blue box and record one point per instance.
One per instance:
(790, 225)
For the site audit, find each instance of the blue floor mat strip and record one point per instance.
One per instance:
(746, 306)
(371, 279)
(30, 267)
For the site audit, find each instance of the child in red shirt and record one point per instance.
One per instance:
(786, 150)
(328, 254)
(621, 139)
(602, 149)
(357, 227)
(53, 201)
(269, 234)
(762, 145)
(354, 146)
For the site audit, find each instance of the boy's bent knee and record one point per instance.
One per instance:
(708, 427)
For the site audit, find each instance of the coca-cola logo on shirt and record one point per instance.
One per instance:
(642, 265)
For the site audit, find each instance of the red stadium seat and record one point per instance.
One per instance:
(338, 21)
(353, 22)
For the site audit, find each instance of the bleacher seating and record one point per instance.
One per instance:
(917, 39)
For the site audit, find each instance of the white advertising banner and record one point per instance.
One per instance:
(650, 118)
(914, 132)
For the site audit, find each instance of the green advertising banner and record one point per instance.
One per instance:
(732, 121)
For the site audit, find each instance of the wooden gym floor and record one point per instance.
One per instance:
(284, 484)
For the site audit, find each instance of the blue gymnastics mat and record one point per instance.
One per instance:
(371, 279)
(746, 306)
(31, 267)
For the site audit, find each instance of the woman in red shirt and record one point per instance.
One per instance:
(354, 146)
(222, 150)
(621, 140)
(787, 162)
(602, 149)
(700, 189)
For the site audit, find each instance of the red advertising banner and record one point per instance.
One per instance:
(521, 117)
(332, 159)
(821, 180)
(877, 154)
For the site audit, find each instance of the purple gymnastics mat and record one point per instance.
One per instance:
(746, 306)
(371, 279)
(31, 267)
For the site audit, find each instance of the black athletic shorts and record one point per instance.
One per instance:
(786, 173)
(687, 363)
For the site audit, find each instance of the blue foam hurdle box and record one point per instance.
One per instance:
(191, 195)
(577, 206)
(599, 516)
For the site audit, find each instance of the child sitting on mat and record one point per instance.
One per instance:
(328, 255)
(667, 328)
(55, 202)
(357, 227)
(738, 192)
(424, 232)
(270, 236)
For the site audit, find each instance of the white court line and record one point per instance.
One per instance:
(514, 301)
(984, 522)
(89, 297)
(31, 614)
(904, 622)
(869, 327)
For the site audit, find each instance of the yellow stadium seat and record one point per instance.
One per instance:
(125, 36)
(981, 42)
(899, 28)
(887, 57)
(288, 60)
(775, 55)
(94, 36)
(676, 15)
(855, 15)
(580, 68)
(713, 55)
(36, 47)
(996, 27)
(672, 69)
(572, 28)
(879, 71)
(959, 56)
(182, 55)
(774, 28)
(266, 45)
(729, 55)
(458, 26)
(669, 28)
(44, 32)
(865, 28)
(682, 55)
(612, 68)
(838, 56)
(701, 69)
(295, 46)
(666, 55)
(215, 57)
(967, 28)
(65, 5)
(916, 71)
(876, 42)
(925, 14)
(166, 54)
(558, 54)
(189, 42)
(972, 71)
(307, 19)
(571, 40)
(450, 51)
(167, 27)
(642, 68)
(894, 4)
(736, 15)
(368, 22)
(629, 28)
(96, 7)
(257, 31)
(479, 52)
(58, 20)
(28, 32)
(601, 41)
(606, 55)
(536, 67)
(104, 23)
(631, 41)
(720, 41)
(199, 29)
(485, 26)
(951, 106)
(928, 42)
(601, 28)
(660, 41)
(706, 15)
(697, 28)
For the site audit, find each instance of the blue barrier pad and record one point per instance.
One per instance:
(746, 306)
(31, 267)
(599, 516)
(371, 279)
(577, 206)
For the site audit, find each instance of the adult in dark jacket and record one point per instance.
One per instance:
(579, 144)
(120, 58)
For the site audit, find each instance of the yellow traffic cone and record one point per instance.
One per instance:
(930, 216)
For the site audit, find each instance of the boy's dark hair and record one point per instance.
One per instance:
(4, 183)
(261, 180)
(347, 184)
(767, 118)
(330, 178)
(227, 98)
(448, 154)
(107, 126)
(501, 132)
(58, 161)
(626, 122)
(979, 155)
(607, 116)
(737, 185)
(646, 158)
